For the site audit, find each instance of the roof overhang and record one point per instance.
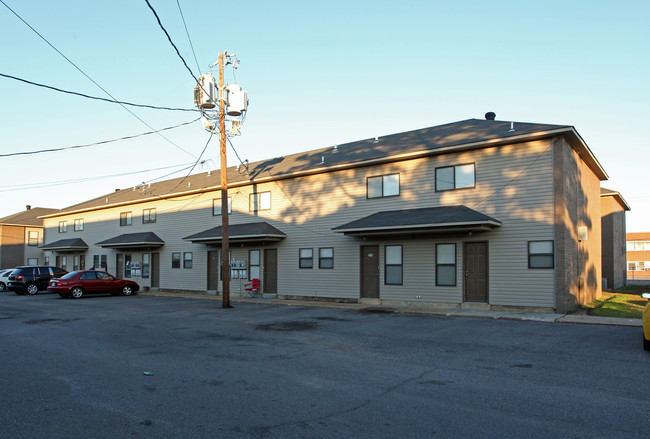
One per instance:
(425, 221)
(239, 233)
(617, 196)
(66, 245)
(133, 240)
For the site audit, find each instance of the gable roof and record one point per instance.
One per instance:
(617, 196)
(249, 232)
(440, 219)
(28, 217)
(452, 137)
(133, 240)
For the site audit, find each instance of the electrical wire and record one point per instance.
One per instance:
(92, 80)
(198, 68)
(190, 171)
(15, 188)
(103, 142)
(95, 97)
(170, 40)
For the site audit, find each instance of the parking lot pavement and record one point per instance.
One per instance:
(451, 311)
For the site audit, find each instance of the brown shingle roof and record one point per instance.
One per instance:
(29, 217)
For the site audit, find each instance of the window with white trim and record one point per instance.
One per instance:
(259, 201)
(253, 264)
(32, 239)
(63, 226)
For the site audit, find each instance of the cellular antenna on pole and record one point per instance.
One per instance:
(215, 100)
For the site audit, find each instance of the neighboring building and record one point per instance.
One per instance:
(478, 212)
(613, 208)
(638, 256)
(21, 235)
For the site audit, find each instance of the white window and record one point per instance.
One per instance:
(78, 225)
(254, 264)
(259, 201)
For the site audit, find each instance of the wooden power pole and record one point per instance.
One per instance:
(225, 251)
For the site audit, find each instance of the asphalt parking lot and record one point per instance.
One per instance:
(164, 367)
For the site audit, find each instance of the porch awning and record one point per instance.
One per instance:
(133, 240)
(430, 220)
(249, 232)
(66, 245)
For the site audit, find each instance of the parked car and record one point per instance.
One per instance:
(76, 284)
(31, 279)
(4, 279)
(646, 323)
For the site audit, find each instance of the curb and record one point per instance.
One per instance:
(414, 310)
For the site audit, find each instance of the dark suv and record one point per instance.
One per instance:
(32, 279)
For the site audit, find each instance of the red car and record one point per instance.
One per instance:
(78, 283)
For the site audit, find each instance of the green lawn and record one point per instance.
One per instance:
(624, 302)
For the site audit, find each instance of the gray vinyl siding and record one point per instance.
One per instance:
(514, 184)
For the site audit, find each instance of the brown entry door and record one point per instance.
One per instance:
(119, 265)
(155, 270)
(270, 282)
(475, 264)
(369, 272)
(213, 270)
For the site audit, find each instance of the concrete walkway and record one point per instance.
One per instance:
(415, 309)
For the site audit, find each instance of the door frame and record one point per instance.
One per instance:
(362, 284)
(487, 270)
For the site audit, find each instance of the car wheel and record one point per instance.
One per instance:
(2, 287)
(127, 290)
(646, 344)
(31, 289)
(77, 292)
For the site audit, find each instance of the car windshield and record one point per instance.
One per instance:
(70, 275)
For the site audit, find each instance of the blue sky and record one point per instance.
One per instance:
(317, 74)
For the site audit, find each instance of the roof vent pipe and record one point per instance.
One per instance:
(490, 115)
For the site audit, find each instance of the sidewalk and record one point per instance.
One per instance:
(414, 309)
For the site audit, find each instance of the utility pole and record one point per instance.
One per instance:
(225, 251)
(233, 100)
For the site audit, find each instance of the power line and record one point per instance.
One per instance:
(91, 79)
(103, 142)
(95, 97)
(15, 188)
(188, 36)
(170, 41)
